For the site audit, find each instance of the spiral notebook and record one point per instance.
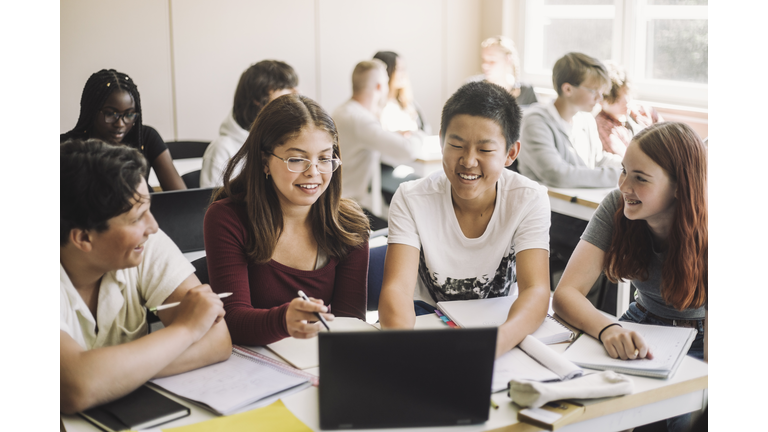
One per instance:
(245, 381)
(669, 345)
(493, 312)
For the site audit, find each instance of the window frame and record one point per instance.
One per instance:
(628, 44)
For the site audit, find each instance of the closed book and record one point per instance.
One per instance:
(141, 409)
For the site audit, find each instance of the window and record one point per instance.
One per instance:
(662, 43)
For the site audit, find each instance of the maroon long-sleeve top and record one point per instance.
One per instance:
(261, 292)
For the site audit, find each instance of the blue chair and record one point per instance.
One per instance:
(376, 270)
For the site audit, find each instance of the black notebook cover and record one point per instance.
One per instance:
(141, 409)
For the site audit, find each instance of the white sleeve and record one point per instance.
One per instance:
(389, 144)
(402, 226)
(65, 313)
(162, 269)
(604, 158)
(533, 231)
(215, 161)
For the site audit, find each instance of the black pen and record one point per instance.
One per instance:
(317, 314)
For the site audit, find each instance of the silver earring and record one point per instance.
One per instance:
(266, 175)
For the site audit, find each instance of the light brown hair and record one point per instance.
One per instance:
(338, 224)
(575, 68)
(507, 46)
(619, 81)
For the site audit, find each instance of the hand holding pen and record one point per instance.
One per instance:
(305, 317)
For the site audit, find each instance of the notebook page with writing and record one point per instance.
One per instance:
(667, 344)
(225, 387)
(303, 353)
(493, 312)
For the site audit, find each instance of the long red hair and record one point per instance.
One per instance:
(677, 149)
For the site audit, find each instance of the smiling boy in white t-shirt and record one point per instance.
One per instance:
(474, 230)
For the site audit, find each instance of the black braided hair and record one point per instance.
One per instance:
(95, 93)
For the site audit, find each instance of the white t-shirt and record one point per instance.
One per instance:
(122, 296)
(454, 267)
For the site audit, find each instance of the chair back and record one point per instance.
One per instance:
(201, 269)
(186, 149)
(192, 179)
(375, 275)
(180, 214)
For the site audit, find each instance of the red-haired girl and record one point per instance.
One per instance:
(652, 231)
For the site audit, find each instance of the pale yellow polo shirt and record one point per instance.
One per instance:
(121, 316)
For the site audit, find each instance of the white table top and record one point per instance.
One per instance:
(653, 400)
(578, 203)
(183, 166)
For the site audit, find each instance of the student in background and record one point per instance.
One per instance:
(280, 226)
(501, 65)
(475, 230)
(110, 110)
(114, 262)
(652, 231)
(363, 138)
(401, 112)
(620, 117)
(259, 84)
(561, 146)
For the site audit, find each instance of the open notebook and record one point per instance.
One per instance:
(669, 345)
(532, 360)
(244, 381)
(303, 353)
(492, 312)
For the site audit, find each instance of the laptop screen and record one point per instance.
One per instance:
(405, 378)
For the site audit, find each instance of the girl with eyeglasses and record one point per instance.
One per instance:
(280, 226)
(110, 110)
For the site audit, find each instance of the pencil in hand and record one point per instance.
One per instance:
(156, 309)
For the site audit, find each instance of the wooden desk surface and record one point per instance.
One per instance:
(652, 400)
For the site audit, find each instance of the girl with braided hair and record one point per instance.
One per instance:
(110, 110)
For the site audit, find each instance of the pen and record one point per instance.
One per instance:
(174, 304)
(494, 405)
(317, 314)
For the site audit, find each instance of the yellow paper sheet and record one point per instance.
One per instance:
(275, 417)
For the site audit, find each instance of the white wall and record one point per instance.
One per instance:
(97, 34)
(186, 56)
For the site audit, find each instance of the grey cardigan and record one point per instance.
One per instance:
(548, 156)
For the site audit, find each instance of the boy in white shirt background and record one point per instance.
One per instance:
(114, 262)
(474, 230)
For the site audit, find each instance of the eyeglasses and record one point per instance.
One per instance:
(593, 92)
(111, 116)
(297, 164)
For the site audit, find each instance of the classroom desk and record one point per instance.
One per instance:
(581, 204)
(183, 166)
(429, 158)
(653, 400)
